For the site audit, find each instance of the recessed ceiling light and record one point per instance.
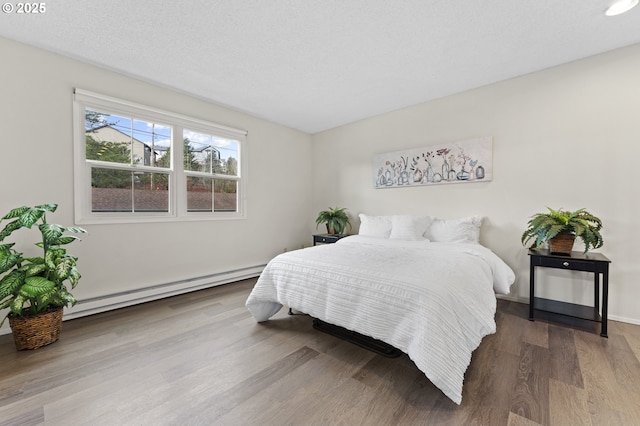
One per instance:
(620, 6)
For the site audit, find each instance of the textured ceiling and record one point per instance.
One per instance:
(314, 65)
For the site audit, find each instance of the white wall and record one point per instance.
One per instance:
(565, 137)
(36, 166)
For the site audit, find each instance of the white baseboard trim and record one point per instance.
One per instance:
(624, 319)
(123, 299)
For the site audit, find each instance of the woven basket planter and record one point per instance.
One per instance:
(562, 244)
(34, 331)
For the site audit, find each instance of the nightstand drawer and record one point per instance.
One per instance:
(567, 263)
(327, 238)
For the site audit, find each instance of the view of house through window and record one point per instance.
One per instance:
(205, 156)
(124, 143)
(156, 166)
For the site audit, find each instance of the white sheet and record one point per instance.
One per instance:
(434, 301)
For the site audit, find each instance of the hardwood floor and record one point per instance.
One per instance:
(200, 359)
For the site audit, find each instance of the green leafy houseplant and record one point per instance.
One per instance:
(32, 285)
(544, 227)
(335, 218)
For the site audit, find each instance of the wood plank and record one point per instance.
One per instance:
(510, 339)
(568, 404)
(563, 357)
(516, 420)
(631, 333)
(26, 418)
(531, 389)
(609, 403)
(624, 363)
(395, 384)
(220, 404)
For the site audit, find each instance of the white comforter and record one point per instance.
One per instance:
(434, 301)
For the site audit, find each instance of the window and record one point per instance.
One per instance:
(138, 164)
(211, 168)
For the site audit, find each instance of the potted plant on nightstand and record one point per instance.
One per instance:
(560, 228)
(34, 289)
(335, 218)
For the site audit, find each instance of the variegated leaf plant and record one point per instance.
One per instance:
(30, 285)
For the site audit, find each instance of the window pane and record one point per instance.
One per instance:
(225, 195)
(152, 143)
(111, 190)
(151, 192)
(105, 140)
(125, 191)
(118, 139)
(199, 194)
(210, 154)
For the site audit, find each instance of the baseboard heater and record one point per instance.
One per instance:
(361, 340)
(123, 299)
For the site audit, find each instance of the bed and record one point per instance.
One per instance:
(427, 289)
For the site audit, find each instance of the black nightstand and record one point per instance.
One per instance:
(327, 238)
(576, 261)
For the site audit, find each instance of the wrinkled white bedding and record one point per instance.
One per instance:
(434, 301)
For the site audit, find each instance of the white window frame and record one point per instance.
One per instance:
(177, 210)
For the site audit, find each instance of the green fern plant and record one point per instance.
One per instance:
(31, 285)
(335, 218)
(544, 226)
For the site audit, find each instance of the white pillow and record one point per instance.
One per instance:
(375, 226)
(463, 230)
(411, 228)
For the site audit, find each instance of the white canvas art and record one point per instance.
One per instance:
(453, 162)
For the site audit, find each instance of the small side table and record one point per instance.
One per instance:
(576, 261)
(327, 238)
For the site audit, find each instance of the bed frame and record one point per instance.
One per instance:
(366, 342)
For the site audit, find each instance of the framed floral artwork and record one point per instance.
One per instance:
(454, 162)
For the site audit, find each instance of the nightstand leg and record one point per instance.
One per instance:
(596, 291)
(605, 302)
(532, 280)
